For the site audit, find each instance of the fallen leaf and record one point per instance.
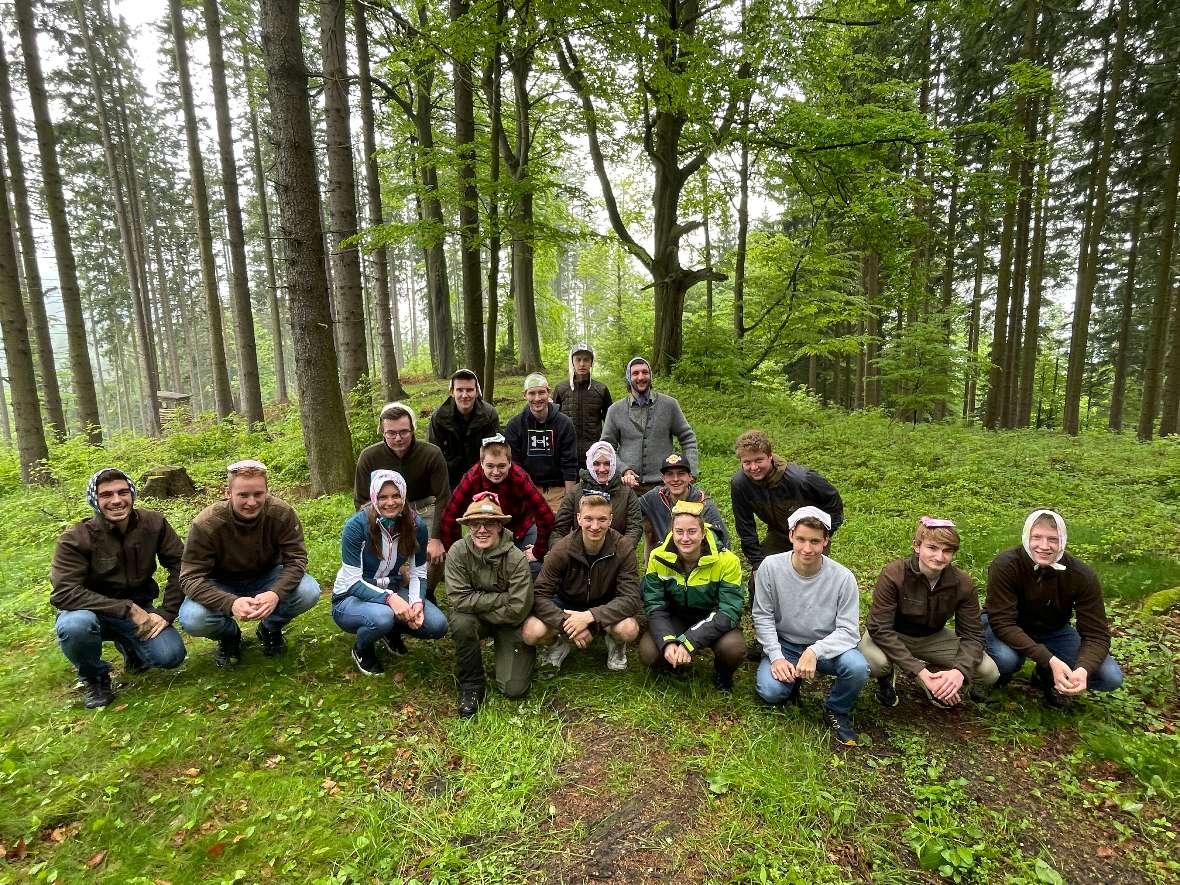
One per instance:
(96, 859)
(60, 834)
(216, 849)
(119, 708)
(192, 772)
(178, 837)
(399, 677)
(273, 761)
(19, 850)
(1105, 851)
(331, 787)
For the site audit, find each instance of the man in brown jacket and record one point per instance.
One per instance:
(914, 599)
(245, 560)
(103, 578)
(589, 583)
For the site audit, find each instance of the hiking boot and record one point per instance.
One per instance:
(469, 701)
(229, 649)
(556, 653)
(99, 692)
(723, 681)
(886, 691)
(132, 662)
(616, 653)
(394, 644)
(1004, 679)
(980, 694)
(366, 660)
(1043, 677)
(842, 731)
(272, 641)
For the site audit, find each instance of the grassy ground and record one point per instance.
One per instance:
(300, 770)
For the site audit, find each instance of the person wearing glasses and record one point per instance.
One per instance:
(245, 560)
(428, 487)
(530, 522)
(371, 598)
(907, 623)
(491, 593)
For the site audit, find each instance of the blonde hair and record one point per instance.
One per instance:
(944, 536)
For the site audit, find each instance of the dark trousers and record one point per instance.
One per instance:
(514, 659)
(729, 650)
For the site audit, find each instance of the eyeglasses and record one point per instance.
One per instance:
(931, 523)
(485, 524)
(397, 434)
(249, 464)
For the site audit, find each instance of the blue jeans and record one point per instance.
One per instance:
(850, 669)
(530, 537)
(372, 620)
(200, 621)
(1064, 643)
(81, 633)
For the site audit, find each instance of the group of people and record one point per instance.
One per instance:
(549, 561)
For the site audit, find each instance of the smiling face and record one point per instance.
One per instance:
(676, 481)
(390, 501)
(594, 516)
(495, 463)
(114, 500)
(687, 535)
(538, 399)
(641, 378)
(933, 557)
(807, 545)
(601, 468)
(485, 533)
(756, 465)
(398, 433)
(1044, 541)
(464, 391)
(247, 496)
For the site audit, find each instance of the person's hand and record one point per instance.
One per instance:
(583, 639)
(528, 553)
(243, 608)
(1076, 683)
(805, 669)
(782, 670)
(1063, 678)
(676, 654)
(577, 622)
(415, 615)
(400, 608)
(943, 685)
(631, 478)
(140, 619)
(435, 551)
(157, 625)
(265, 604)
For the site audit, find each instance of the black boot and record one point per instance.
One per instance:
(132, 662)
(99, 692)
(272, 641)
(229, 649)
(469, 701)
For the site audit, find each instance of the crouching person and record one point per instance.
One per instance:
(693, 597)
(914, 599)
(490, 590)
(588, 584)
(245, 560)
(368, 598)
(1033, 591)
(103, 578)
(806, 615)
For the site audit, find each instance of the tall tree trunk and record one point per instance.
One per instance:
(1020, 275)
(743, 234)
(5, 423)
(321, 405)
(391, 384)
(469, 245)
(341, 199)
(55, 207)
(996, 382)
(222, 394)
(1126, 317)
(948, 277)
(1032, 330)
(871, 272)
(494, 92)
(248, 380)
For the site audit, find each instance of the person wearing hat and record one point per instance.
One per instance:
(602, 475)
(907, 623)
(642, 426)
(458, 425)
(589, 584)
(693, 599)
(245, 560)
(582, 398)
(656, 505)
(806, 616)
(425, 470)
(104, 587)
(544, 442)
(371, 598)
(490, 591)
(1033, 592)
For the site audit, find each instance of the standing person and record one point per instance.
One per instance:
(104, 587)
(1033, 592)
(370, 598)
(693, 598)
(589, 584)
(906, 629)
(641, 427)
(581, 398)
(425, 471)
(461, 422)
(245, 560)
(543, 442)
(656, 505)
(602, 476)
(491, 593)
(806, 614)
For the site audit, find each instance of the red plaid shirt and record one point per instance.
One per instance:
(519, 498)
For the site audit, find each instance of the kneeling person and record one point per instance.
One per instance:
(589, 583)
(103, 578)
(490, 590)
(914, 599)
(806, 613)
(245, 560)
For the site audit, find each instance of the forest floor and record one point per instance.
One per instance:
(299, 769)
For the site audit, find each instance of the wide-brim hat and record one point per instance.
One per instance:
(484, 508)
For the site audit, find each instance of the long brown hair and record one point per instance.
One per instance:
(407, 533)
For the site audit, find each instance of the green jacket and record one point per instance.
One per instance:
(494, 584)
(710, 595)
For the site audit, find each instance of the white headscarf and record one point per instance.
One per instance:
(1028, 524)
(592, 452)
(378, 478)
(814, 513)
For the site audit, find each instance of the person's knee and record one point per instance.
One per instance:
(73, 625)
(852, 667)
(535, 631)
(1006, 660)
(986, 672)
(434, 623)
(879, 663)
(169, 653)
(626, 630)
(198, 620)
(380, 619)
(730, 650)
(770, 689)
(464, 628)
(305, 595)
(1109, 676)
(649, 652)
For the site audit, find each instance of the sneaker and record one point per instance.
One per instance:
(393, 644)
(886, 691)
(99, 692)
(842, 731)
(367, 661)
(469, 701)
(132, 662)
(556, 653)
(723, 681)
(229, 650)
(616, 654)
(272, 641)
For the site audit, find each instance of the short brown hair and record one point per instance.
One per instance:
(943, 536)
(593, 500)
(493, 448)
(752, 441)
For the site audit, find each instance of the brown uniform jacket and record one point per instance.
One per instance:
(905, 603)
(99, 568)
(423, 468)
(1023, 600)
(608, 587)
(224, 548)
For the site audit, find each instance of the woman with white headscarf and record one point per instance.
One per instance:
(602, 475)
